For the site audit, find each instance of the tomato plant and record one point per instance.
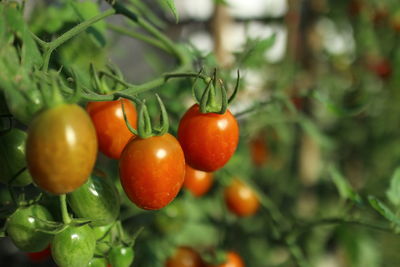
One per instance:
(208, 139)
(258, 150)
(97, 200)
(22, 227)
(152, 170)
(112, 132)
(241, 199)
(121, 256)
(185, 257)
(12, 158)
(61, 148)
(74, 246)
(232, 260)
(197, 182)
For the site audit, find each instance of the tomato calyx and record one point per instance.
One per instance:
(145, 128)
(207, 101)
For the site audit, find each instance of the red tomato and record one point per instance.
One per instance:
(185, 257)
(108, 119)
(241, 199)
(208, 140)
(39, 256)
(152, 170)
(232, 260)
(197, 182)
(258, 150)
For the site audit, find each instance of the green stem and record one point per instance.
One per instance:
(71, 33)
(138, 36)
(64, 209)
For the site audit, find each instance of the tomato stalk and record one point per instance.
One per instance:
(64, 210)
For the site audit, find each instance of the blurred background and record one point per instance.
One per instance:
(319, 114)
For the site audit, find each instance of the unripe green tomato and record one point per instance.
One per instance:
(96, 200)
(121, 256)
(22, 226)
(73, 247)
(21, 108)
(97, 262)
(103, 239)
(12, 158)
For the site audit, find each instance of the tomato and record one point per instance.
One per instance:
(61, 148)
(39, 256)
(74, 246)
(241, 199)
(97, 262)
(97, 200)
(21, 228)
(197, 182)
(152, 170)
(258, 150)
(12, 158)
(121, 256)
(111, 129)
(185, 257)
(208, 140)
(232, 260)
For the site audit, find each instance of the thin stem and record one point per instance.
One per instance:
(328, 221)
(139, 36)
(64, 209)
(71, 33)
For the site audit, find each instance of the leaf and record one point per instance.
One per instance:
(171, 6)
(393, 193)
(254, 50)
(343, 186)
(49, 227)
(377, 205)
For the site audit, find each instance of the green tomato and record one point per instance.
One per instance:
(21, 228)
(12, 158)
(97, 200)
(74, 246)
(103, 237)
(22, 108)
(121, 256)
(97, 262)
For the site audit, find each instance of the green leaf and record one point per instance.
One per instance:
(343, 186)
(254, 51)
(393, 193)
(171, 6)
(377, 205)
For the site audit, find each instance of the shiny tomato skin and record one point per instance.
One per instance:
(197, 182)
(152, 171)
(232, 260)
(208, 140)
(12, 158)
(241, 199)
(121, 256)
(61, 148)
(185, 257)
(74, 246)
(108, 119)
(21, 228)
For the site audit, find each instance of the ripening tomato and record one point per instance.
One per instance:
(39, 256)
(197, 182)
(241, 199)
(61, 148)
(232, 260)
(258, 150)
(208, 140)
(185, 257)
(108, 119)
(22, 226)
(152, 170)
